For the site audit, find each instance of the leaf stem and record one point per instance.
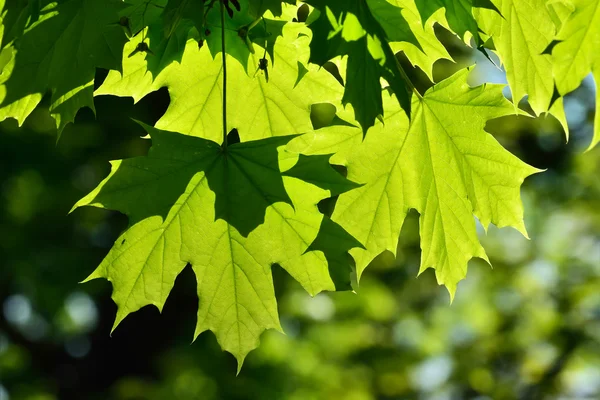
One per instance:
(406, 78)
(402, 72)
(224, 76)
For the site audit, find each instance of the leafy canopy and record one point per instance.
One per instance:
(237, 179)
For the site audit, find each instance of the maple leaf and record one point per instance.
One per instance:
(280, 106)
(520, 36)
(60, 53)
(575, 52)
(444, 165)
(351, 28)
(231, 213)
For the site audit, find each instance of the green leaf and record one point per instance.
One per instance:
(520, 36)
(143, 13)
(257, 108)
(236, 46)
(459, 15)
(313, 169)
(576, 54)
(178, 10)
(166, 27)
(161, 28)
(559, 11)
(335, 244)
(258, 7)
(430, 49)
(391, 19)
(351, 28)
(271, 196)
(60, 53)
(16, 16)
(231, 214)
(444, 165)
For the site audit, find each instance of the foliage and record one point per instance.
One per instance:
(250, 72)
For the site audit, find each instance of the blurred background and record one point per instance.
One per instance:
(527, 329)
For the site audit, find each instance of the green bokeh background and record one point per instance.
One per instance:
(529, 328)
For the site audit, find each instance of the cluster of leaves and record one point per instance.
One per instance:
(237, 178)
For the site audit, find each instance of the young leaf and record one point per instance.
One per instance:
(231, 214)
(60, 53)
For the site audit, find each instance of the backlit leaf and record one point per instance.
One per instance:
(443, 164)
(231, 214)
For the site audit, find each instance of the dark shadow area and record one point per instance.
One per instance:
(245, 178)
(335, 243)
(233, 137)
(317, 170)
(322, 115)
